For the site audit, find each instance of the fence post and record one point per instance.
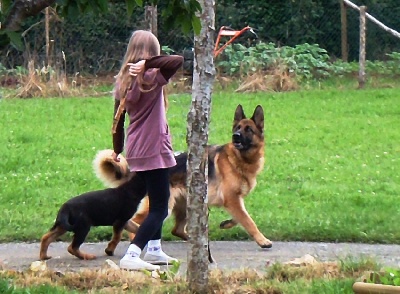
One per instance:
(343, 18)
(361, 73)
(47, 32)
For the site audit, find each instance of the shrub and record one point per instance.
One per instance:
(305, 61)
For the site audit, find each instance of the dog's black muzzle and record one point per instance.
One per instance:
(237, 140)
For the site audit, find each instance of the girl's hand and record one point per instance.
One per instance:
(136, 68)
(115, 157)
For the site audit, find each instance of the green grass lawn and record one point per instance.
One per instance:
(331, 173)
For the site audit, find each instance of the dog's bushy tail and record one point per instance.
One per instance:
(111, 173)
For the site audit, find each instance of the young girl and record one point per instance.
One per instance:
(149, 152)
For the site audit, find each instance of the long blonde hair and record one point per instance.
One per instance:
(142, 45)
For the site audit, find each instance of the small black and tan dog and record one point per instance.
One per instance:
(108, 207)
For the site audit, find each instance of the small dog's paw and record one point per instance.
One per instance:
(109, 252)
(45, 257)
(89, 256)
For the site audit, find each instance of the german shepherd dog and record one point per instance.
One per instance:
(232, 172)
(108, 207)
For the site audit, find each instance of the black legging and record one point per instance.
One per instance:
(157, 185)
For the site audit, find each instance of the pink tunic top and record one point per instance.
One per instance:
(148, 139)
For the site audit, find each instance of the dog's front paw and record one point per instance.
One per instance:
(264, 243)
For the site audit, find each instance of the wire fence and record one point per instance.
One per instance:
(93, 44)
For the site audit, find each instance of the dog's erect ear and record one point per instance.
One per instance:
(239, 115)
(258, 117)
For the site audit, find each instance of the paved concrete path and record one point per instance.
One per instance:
(229, 255)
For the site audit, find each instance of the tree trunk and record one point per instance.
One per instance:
(151, 18)
(197, 139)
(22, 9)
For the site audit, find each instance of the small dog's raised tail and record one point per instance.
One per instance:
(111, 173)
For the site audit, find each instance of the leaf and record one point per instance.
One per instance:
(196, 23)
(103, 5)
(186, 26)
(175, 268)
(6, 4)
(16, 40)
(384, 280)
(396, 282)
(130, 5)
(139, 2)
(163, 276)
(146, 272)
(195, 5)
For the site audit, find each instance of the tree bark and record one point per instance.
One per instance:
(197, 139)
(151, 18)
(22, 9)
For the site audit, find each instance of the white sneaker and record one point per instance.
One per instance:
(160, 258)
(135, 263)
